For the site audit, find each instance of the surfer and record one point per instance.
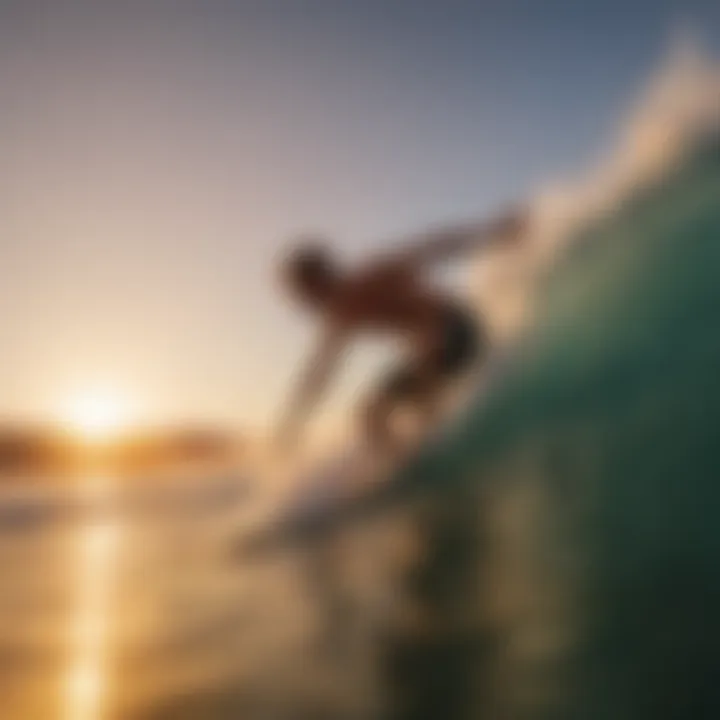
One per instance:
(390, 295)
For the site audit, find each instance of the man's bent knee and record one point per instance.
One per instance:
(375, 418)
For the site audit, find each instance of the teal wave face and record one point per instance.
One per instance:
(595, 464)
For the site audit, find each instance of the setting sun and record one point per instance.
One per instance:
(97, 415)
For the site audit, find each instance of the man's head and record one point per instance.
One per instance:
(310, 272)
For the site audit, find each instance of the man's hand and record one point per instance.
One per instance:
(512, 227)
(443, 243)
(313, 382)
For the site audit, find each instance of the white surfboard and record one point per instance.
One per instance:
(348, 483)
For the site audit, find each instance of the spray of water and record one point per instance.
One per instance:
(679, 105)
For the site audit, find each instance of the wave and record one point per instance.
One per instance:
(677, 109)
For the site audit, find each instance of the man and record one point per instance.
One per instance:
(391, 295)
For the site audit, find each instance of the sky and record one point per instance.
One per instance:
(158, 156)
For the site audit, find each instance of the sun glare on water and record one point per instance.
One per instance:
(90, 625)
(98, 415)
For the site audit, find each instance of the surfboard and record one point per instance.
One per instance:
(351, 483)
(348, 484)
(325, 498)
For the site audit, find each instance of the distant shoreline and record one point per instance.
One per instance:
(32, 454)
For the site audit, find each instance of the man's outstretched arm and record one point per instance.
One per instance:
(444, 243)
(312, 383)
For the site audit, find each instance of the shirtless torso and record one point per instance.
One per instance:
(393, 296)
(388, 298)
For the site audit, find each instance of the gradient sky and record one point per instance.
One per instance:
(156, 156)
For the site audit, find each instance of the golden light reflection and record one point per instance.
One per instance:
(96, 556)
(97, 415)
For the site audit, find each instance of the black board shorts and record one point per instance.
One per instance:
(464, 343)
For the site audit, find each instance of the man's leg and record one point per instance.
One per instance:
(416, 387)
(394, 391)
(376, 424)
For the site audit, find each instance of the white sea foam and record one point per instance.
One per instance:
(679, 104)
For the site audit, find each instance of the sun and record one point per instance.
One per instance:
(97, 415)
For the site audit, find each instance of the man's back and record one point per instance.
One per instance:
(385, 297)
(391, 295)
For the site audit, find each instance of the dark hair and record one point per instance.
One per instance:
(309, 264)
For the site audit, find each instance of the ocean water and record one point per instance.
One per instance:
(129, 603)
(594, 465)
(555, 557)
